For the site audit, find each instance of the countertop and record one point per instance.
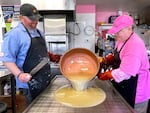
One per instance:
(45, 102)
(3, 71)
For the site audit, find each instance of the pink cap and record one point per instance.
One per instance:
(120, 23)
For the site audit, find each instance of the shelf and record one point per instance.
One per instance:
(105, 27)
(106, 24)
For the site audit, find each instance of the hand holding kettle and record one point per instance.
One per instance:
(105, 76)
(105, 71)
(106, 63)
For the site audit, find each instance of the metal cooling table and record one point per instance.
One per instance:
(45, 102)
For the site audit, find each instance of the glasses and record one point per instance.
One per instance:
(123, 29)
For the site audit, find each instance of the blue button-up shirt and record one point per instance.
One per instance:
(15, 47)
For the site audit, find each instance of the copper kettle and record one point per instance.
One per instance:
(79, 64)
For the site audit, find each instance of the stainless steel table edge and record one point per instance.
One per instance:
(58, 76)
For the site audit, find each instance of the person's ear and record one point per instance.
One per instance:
(20, 17)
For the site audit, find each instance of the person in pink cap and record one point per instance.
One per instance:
(130, 73)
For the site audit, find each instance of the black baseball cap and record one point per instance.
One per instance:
(30, 11)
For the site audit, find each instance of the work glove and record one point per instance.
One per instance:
(105, 76)
(109, 59)
(54, 57)
(106, 63)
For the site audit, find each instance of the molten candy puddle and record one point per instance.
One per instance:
(79, 69)
(89, 97)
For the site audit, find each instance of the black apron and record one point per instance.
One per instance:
(35, 54)
(126, 88)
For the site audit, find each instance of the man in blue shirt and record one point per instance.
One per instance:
(23, 48)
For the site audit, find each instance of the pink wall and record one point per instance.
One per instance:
(104, 15)
(101, 16)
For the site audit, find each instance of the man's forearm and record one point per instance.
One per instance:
(12, 67)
